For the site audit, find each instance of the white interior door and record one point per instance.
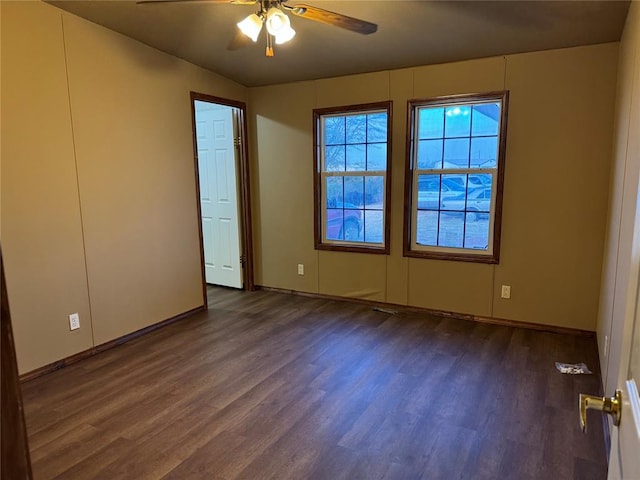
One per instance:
(624, 459)
(217, 165)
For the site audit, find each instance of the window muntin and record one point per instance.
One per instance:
(352, 177)
(455, 171)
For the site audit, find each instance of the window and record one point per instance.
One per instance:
(352, 177)
(455, 171)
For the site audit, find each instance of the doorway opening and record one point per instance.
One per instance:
(223, 194)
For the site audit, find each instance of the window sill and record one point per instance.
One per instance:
(352, 248)
(458, 257)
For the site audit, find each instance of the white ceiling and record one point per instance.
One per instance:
(410, 33)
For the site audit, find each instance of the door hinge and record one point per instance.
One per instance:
(243, 260)
(237, 141)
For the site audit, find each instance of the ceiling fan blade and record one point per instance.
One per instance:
(235, 2)
(332, 18)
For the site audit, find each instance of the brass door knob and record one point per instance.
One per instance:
(610, 405)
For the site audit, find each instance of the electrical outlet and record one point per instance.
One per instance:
(74, 321)
(506, 291)
(300, 269)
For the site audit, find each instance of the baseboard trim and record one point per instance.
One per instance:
(438, 313)
(57, 365)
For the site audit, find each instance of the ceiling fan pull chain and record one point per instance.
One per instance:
(269, 52)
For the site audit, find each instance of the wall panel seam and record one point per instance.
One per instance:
(75, 160)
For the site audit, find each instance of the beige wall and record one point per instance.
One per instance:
(619, 281)
(98, 187)
(280, 239)
(556, 184)
(555, 200)
(41, 227)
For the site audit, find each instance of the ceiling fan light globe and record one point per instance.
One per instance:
(276, 21)
(285, 35)
(251, 26)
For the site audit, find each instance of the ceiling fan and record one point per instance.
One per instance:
(278, 26)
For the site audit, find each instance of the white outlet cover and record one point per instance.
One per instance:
(74, 321)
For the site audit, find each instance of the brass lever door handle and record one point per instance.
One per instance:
(610, 405)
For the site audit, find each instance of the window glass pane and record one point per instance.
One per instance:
(456, 153)
(356, 129)
(476, 233)
(488, 180)
(454, 210)
(377, 127)
(479, 200)
(373, 221)
(334, 224)
(430, 154)
(374, 192)
(377, 156)
(479, 180)
(457, 121)
(456, 200)
(353, 142)
(334, 192)
(333, 130)
(353, 192)
(484, 152)
(451, 231)
(486, 118)
(334, 159)
(428, 192)
(454, 183)
(430, 123)
(356, 158)
(352, 230)
(427, 228)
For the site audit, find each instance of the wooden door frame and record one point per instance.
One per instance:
(15, 461)
(245, 189)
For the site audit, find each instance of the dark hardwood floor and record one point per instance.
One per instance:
(272, 386)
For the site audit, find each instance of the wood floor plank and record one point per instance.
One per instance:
(452, 449)
(269, 385)
(205, 462)
(94, 465)
(62, 453)
(335, 463)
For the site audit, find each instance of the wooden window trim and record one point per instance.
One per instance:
(494, 257)
(317, 190)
